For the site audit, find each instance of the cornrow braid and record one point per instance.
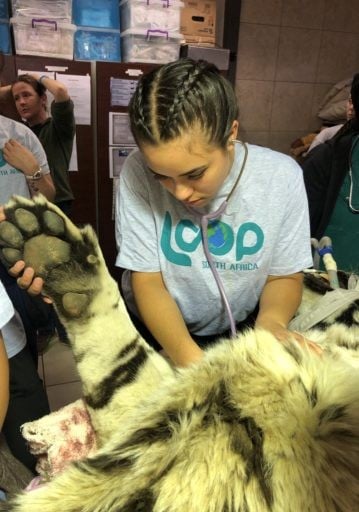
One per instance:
(181, 95)
(174, 115)
(139, 111)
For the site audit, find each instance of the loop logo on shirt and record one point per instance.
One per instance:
(2, 159)
(9, 169)
(221, 238)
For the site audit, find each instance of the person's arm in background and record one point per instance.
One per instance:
(5, 93)
(162, 316)
(57, 89)
(6, 313)
(62, 110)
(4, 381)
(316, 173)
(25, 161)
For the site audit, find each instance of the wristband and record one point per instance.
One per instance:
(36, 176)
(41, 78)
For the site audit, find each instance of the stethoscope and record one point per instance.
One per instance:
(350, 198)
(204, 220)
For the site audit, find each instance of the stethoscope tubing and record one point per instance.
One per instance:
(204, 225)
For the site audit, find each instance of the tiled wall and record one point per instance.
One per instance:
(290, 53)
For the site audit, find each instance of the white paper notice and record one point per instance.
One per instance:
(79, 87)
(73, 166)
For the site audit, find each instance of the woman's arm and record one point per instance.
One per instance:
(5, 93)
(162, 316)
(25, 161)
(4, 381)
(279, 301)
(57, 89)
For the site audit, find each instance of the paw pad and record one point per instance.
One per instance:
(75, 303)
(65, 256)
(26, 221)
(10, 235)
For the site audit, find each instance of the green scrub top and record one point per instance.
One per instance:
(343, 227)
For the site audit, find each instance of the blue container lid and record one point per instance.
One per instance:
(96, 13)
(5, 41)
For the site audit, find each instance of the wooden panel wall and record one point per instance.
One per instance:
(104, 72)
(7, 75)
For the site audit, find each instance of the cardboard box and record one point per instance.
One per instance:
(198, 21)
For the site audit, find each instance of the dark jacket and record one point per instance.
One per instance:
(324, 170)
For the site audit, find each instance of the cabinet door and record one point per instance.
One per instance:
(105, 71)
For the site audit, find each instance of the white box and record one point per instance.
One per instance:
(143, 14)
(43, 37)
(157, 46)
(60, 10)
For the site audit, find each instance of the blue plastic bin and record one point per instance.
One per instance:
(4, 10)
(92, 43)
(96, 13)
(5, 40)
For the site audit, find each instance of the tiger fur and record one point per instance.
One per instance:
(255, 426)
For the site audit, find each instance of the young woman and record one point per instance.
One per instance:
(56, 133)
(184, 119)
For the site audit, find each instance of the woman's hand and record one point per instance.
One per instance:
(25, 275)
(26, 279)
(20, 157)
(285, 336)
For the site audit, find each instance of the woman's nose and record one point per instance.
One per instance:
(181, 191)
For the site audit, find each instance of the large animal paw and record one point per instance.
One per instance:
(66, 257)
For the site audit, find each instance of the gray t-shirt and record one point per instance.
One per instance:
(264, 231)
(13, 181)
(11, 325)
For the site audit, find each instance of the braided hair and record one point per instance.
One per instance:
(181, 95)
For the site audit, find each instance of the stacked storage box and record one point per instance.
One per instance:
(43, 28)
(150, 30)
(5, 40)
(97, 30)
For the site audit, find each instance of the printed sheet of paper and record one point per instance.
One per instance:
(79, 87)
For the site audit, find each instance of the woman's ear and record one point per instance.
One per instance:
(234, 131)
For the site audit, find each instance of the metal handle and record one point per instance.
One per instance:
(160, 32)
(165, 3)
(43, 20)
